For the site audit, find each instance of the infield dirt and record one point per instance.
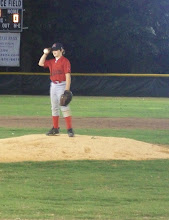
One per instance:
(81, 147)
(40, 147)
(101, 123)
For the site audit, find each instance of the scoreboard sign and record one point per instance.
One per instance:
(11, 15)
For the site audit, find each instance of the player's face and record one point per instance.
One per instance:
(57, 53)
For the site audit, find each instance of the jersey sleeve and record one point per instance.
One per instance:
(67, 67)
(46, 64)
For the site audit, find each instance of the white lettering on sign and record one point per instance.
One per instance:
(17, 25)
(10, 3)
(5, 25)
(12, 11)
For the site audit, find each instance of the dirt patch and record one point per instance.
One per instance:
(100, 123)
(81, 147)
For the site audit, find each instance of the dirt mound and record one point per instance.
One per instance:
(81, 147)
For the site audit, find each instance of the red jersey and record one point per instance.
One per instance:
(58, 68)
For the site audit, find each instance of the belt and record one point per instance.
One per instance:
(56, 82)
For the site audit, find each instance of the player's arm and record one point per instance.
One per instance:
(68, 81)
(42, 60)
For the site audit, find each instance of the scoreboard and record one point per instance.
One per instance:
(11, 20)
(11, 16)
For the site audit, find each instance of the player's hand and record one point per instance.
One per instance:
(46, 51)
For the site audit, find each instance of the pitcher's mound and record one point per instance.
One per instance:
(81, 147)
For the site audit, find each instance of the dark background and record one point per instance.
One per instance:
(130, 36)
(99, 36)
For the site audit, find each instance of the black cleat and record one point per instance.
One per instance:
(70, 132)
(53, 131)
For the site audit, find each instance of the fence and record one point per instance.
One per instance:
(89, 84)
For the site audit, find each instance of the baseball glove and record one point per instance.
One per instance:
(66, 98)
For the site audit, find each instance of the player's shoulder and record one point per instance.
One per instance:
(64, 59)
(50, 60)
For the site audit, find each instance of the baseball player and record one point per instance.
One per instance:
(60, 76)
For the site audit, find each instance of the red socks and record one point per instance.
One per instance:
(55, 121)
(68, 122)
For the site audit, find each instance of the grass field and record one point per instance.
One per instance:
(118, 190)
(91, 107)
(85, 190)
(87, 106)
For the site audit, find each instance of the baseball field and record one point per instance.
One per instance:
(116, 167)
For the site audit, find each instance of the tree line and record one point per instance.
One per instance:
(99, 36)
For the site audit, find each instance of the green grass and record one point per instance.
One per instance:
(70, 190)
(118, 190)
(25, 106)
(91, 107)
(87, 106)
(149, 136)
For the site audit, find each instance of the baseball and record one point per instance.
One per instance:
(46, 51)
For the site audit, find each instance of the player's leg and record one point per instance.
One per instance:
(68, 119)
(66, 112)
(55, 110)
